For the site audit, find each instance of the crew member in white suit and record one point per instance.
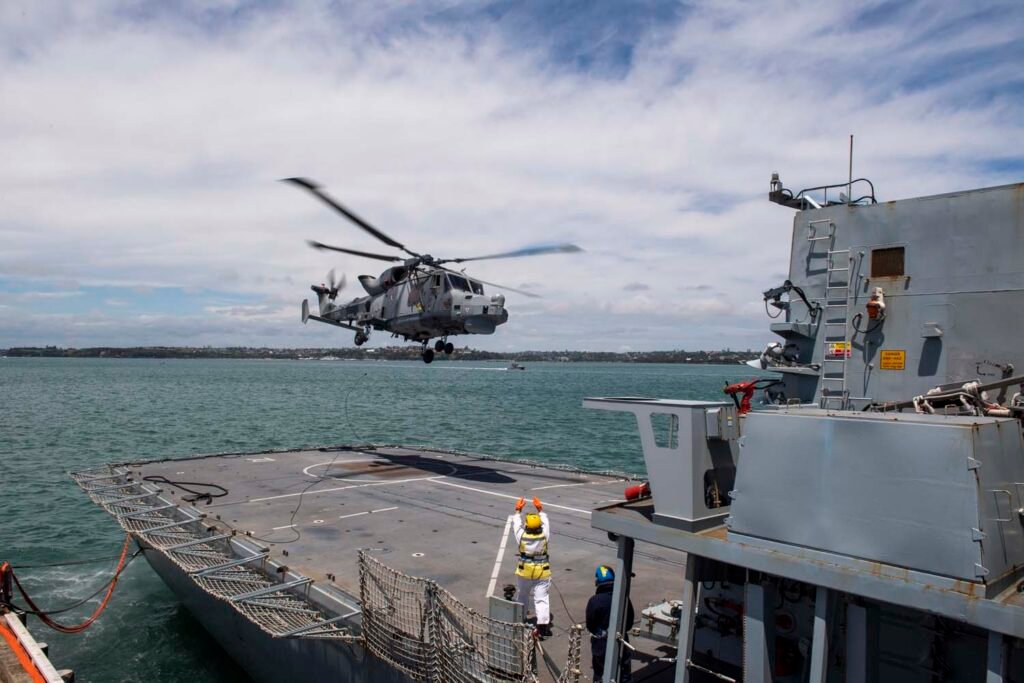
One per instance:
(533, 571)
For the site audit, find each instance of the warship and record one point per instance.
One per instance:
(854, 513)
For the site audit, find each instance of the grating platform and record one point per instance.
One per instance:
(437, 515)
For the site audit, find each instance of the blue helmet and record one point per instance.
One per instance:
(603, 574)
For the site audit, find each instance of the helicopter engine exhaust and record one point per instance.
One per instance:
(371, 285)
(388, 279)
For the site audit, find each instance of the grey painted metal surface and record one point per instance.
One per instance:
(923, 492)
(957, 304)
(820, 642)
(620, 600)
(756, 634)
(959, 600)
(687, 616)
(690, 453)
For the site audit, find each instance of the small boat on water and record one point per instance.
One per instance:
(512, 365)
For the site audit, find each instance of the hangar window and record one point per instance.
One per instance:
(887, 262)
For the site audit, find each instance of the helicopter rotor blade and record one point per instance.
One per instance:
(354, 252)
(493, 284)
(564, 248)
(314, 189)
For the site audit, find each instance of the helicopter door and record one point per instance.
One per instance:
(415, 300)
(393, 300)
(432, 290)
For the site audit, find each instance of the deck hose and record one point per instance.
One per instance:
(7, 575)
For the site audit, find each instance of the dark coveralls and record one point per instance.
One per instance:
(599, 609)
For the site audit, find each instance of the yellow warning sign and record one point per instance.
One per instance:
(839, 349)
(892, 360)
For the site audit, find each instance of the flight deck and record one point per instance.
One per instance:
(441, 516)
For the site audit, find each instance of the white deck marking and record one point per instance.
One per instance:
(582, 483)
(354, 514)
(306, 470)
(339, 488)
(367, 512)
(559, 486)
(438, 480)
(501, 556)
(452, 469)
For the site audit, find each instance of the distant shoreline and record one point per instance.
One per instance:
(725, 357)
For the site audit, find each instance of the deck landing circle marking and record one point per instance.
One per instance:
(452, 469)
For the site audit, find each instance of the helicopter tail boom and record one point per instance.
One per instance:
(307, 316)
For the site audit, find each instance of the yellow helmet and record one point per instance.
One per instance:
(533, 522)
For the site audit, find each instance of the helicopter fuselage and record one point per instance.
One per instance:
(419, 298)
(428, 303)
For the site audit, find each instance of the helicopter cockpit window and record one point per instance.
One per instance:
(477, 287)
(458, 282)
(436, 280)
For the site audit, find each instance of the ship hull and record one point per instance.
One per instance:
(264, 657)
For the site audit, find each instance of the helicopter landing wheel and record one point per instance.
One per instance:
(438, 346)
(449, 349)
(428, 355)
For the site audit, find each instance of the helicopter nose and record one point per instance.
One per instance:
(498, 299)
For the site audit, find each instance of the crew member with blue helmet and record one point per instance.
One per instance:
(599, 609)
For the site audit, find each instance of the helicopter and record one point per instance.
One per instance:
(418, 298)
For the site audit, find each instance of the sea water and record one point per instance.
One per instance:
(62, 414)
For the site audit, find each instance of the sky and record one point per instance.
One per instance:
(143, 141)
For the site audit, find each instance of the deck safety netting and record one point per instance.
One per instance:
(209, 558)
(473, 647)
(397, 618)
(425, 631)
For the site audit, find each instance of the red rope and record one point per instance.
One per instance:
(78, 628)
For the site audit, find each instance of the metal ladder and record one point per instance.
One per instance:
(835, 316)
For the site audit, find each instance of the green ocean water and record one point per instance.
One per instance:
(58, 415)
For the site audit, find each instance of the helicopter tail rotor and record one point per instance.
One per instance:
(334, 286)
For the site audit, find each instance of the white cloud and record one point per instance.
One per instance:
(142, 153)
